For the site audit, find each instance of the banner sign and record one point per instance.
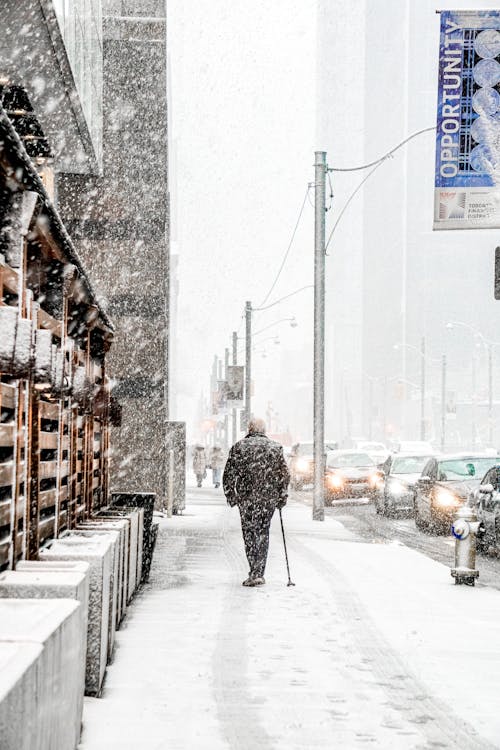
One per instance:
(467, 180)
(235, 379)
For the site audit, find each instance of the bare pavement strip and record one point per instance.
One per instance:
(374, 646)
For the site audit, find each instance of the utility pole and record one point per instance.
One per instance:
(235, 362)
(320, 168)
(248, 363)
(490, 395)
(422, 389)
(226, 415)
(443, 402)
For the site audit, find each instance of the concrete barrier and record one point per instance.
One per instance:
(54, 584)
(122, 526)
(53, 719)
(135, 516)
(97, 552)
(114, 537)
(20, 671)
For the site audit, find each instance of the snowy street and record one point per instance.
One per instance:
(373, 646)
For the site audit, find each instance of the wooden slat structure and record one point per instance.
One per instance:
(54, 397)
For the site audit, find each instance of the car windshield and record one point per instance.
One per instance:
(350, 460)
(409, 465)
(464, 468)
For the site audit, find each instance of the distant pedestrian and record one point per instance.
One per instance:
(199, 464)
(216, 462)
(256, 480)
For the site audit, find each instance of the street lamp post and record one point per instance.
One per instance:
(248, 362)
(422, 354)
(235, 362)
(319, 336)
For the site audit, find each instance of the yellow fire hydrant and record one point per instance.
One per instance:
(465, 529)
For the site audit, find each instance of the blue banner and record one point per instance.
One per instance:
(467, 180)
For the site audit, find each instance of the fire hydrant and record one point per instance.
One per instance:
(465, 529)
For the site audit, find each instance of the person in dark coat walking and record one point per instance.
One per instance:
(256, 480)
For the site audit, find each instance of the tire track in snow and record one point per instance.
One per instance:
(405, 692)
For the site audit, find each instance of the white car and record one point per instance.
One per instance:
(377, 451)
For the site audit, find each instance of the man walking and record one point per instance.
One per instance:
(256, 480)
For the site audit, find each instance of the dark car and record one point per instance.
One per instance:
(301, 463)
(487, 502)
(350, 473)
(445, 484)
(396, 492)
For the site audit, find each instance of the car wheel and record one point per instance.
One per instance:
(497, 536)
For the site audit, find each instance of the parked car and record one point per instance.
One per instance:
(445, 484)
(417, 447)
(377, 451)
(350, 473)
(486, 499)
(301, 463)
(396, 491)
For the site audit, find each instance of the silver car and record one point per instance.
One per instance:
(396, 491)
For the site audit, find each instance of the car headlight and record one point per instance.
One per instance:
(397, 488)
(375, 481)
(335, 481)
(445, 498)
(302, 465)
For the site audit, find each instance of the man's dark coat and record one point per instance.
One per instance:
(256, 472)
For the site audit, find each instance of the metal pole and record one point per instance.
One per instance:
(443, 402)
(422, 390)
(226, 415)
(490, 395)
(319, 336)
(474, 411)
(248, 363)
(370, 409)
(235, 362)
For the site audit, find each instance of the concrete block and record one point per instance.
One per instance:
(20, 671)
(136, 519)
(75, 565)
(97, 552)
(54, 584)
(114, 537)
(55, 625)
(114, 518)
(121, 525)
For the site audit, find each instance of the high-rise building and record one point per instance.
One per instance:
(120, 220)
(395, 280)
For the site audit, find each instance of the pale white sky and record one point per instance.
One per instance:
(242, 99)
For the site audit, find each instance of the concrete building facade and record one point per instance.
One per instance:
(120, 220)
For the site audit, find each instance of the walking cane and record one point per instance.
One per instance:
(286, 554)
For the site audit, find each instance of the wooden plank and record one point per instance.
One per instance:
(49, 411)
(7, 395)
(46, 529)
(51, 324)
(6, 474)
(10, 278)
(47, 499)
(48, 440)
(7, 435)
(5, 513)
(47, 469)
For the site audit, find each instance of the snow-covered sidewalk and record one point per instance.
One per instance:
(374, 646)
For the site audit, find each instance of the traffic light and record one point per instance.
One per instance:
(497, 273)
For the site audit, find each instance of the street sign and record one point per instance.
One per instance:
(235, 379)
(467, 181)
(497, 273)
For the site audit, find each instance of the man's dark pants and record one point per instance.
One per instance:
(255, 522)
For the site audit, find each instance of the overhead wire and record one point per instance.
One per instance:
(375, 164)
(385, 156)
(288, 248)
